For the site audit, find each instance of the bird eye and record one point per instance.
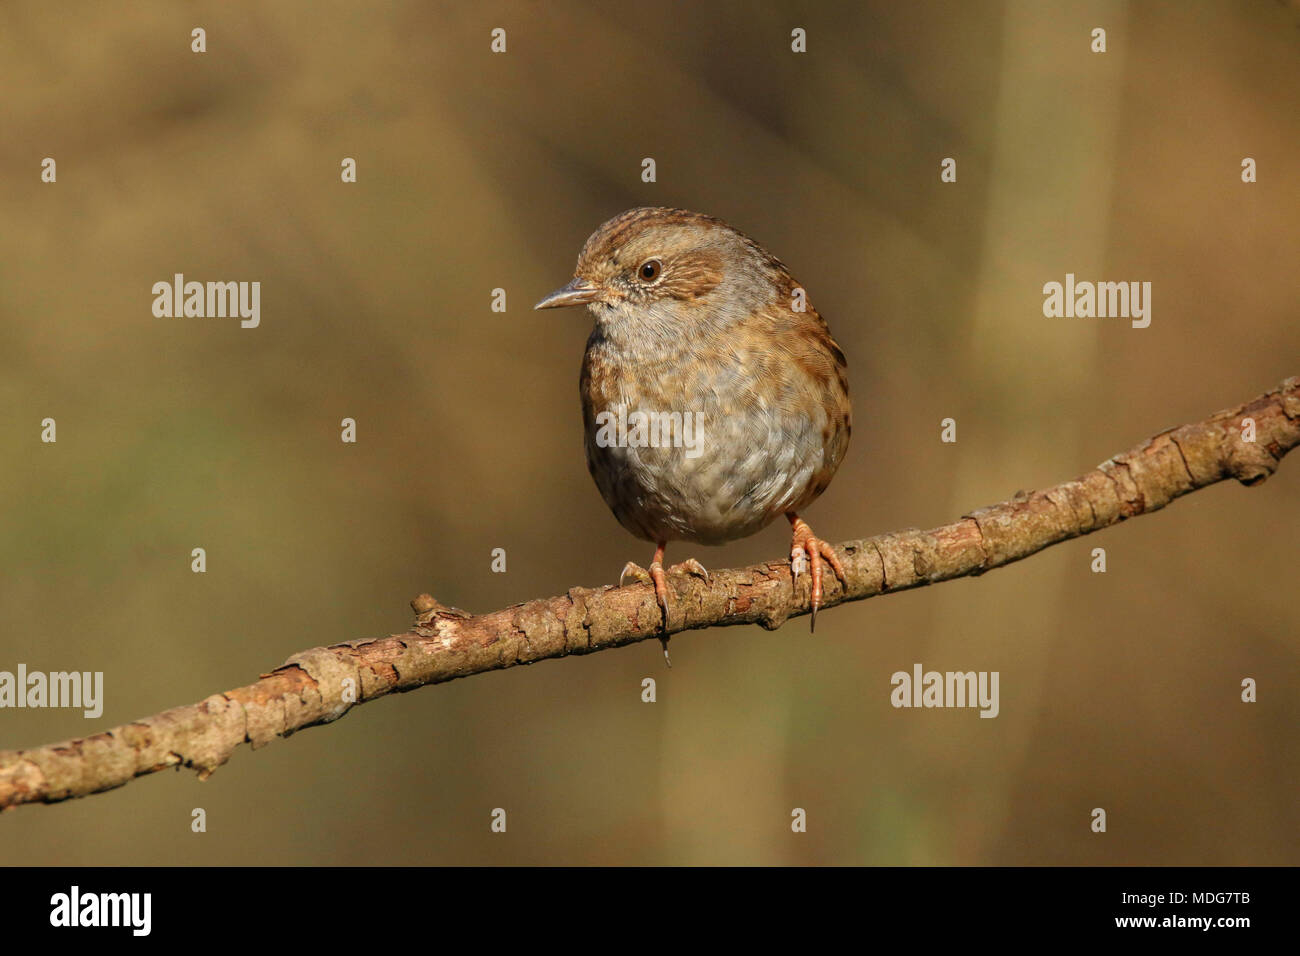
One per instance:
(650, 270)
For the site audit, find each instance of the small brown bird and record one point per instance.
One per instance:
(713, 395)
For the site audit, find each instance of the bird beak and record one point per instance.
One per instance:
(579, 291)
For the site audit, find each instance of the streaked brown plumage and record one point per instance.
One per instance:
(697, 319)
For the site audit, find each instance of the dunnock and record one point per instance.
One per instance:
(713, 395)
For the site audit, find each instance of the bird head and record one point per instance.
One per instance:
(665, 271)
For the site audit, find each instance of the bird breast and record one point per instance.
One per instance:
(708, 438)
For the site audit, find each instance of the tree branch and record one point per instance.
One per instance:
(319, 685)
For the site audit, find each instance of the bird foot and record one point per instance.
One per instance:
(655, 575)
(807, 550)
(633, 573)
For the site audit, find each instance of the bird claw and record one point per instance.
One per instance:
(692, 567)
(636, 573)
(633, 573)
(807, 552)
(798, 561)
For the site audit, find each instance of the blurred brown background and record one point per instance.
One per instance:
(479, 171)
